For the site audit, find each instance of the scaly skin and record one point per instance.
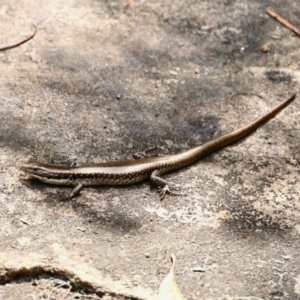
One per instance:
(133, 171)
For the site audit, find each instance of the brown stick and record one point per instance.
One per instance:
(281, 20)
(20, 43)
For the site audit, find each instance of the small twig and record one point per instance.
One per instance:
(58, 286)
(281, 20)
(20, 43)
(13, 285)
(90, 297)
(239, 298)
(69, 290)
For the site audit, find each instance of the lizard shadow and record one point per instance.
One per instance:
(101, 214)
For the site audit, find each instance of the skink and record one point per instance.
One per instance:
(133, 171)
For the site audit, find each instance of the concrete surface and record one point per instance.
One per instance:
(102, 79)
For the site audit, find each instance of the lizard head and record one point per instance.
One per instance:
(35, 168)
(40, 170)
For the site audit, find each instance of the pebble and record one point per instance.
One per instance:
(174, 73)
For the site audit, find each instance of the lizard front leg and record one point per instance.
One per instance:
(143, 154)
(68, 196)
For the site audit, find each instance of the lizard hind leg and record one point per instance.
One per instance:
(163, 186)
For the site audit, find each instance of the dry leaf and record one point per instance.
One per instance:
(265, 48)
(168, 289)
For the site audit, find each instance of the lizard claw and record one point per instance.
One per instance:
(166, 189)
(67, 196)
(64, 196)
